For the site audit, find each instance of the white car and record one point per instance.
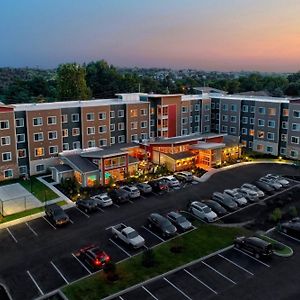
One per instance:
(250, 195)
(103, 200)
(184, 176)
(132, 191)
(171, 181)
(271, 182)
(202, 211)
(279, 179)
(236, 197)
(252, 187)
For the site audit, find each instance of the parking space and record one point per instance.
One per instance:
(139, 293)
(150, 238)
(21, 232)
(6, 240)
(77, 215)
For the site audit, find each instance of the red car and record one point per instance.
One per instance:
(94, 256)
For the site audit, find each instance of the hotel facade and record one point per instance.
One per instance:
(95, 139)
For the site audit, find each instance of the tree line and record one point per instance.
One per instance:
(99, 79)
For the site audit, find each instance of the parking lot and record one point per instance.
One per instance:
(37, 257)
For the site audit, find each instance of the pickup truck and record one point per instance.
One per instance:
(128, 235)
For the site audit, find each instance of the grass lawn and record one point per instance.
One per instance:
(197, 243)
(279, 249)
(38, 189)
(26, 213)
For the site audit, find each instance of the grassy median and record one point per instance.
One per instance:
(197, 243)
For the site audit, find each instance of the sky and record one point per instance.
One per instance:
(222, 35)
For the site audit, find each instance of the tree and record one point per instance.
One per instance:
(71, 82)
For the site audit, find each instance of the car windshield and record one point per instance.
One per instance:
(105, 198)
(173, 179)
(132, 235)
(165, 224)
(207, 210)
(181, 219)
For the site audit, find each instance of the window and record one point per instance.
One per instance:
(144, 124)
(191, 119)
(232, 130)
(112, 140)
(233, 107)
(225, 107)
(90, 130)
(245, 120)
(102, 116)
(144, 112)
(90, 116)
(121, 126)
(285, 112)
(184, 121)
(260, 134)
(271, 123)
(133, 125)
(65, 133)
(213, 116)
(294, 153)
(213, 105)
(112, 114)
(112, 127)
(284, 137)
(245, 108)
(262, 110)
(269, 149)
(206, 107)
(184, 109)
(244, 131)
(206, 128)
(224, 128)
(103, 142)
(251, 132)
(295, 139)
(225, 118)
(152, 122)
(196, 129)
(6, 156)
(37, 121)
(75, 118)
(51, 120)
(144, 136)
(21, 138)
(52, 135)
(23, 170)
(39, 152)
(283, 151)
(271, 136)
(272, 111)
(233, 119)
(8, 173)
(39, 136)
(91, 144)
(53, 150)
(295, 126)
(250, 145)
(75, 131)
(120, 113)
(21, 153)
(206, 118)
(5, 140)
(191, 107)
(261, 122)
(40, 168)
(184, 131)
(284, 125)
(134, 137)
(133, 113)
(296, 113)
(197, 107)
(66, 146)
(251, 121)
(260, 147)
(64, 118)
(76, 145)
(217, 105)
(197, 118)
(121, 139)
(102, 129)
(20, 122)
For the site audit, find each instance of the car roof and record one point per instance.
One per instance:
(258, 241)
(157, 216)
(169, 177)
(174, 214)
(200, 204)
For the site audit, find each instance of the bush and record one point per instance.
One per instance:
(276, 215)
(148, 258)
(293, 211)
(176, 246)
(110, 269)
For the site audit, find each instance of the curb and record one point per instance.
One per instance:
(6, 290)
(280, 243)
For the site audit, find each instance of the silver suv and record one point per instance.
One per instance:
(132, 191)
(237, 197)
(202, 211)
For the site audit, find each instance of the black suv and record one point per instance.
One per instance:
(255, 246)
(161, 224)
(56, 214)
(88, 205)
(158, 185)
(119, 196)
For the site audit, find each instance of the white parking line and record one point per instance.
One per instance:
(13, 237)
(196, 278)
(82, 212)
(81, 263)
(35, 283)
(116, 205)
(155, 194)
(175, 287)
(153, 234)
(247, 271)
(145, 289)
(100, 209)
(71, 221)
(121, 298)
(143, 197)
(252, 257)
(130, 201)
(59, 272)
(120, 248)
(218, 272)
(31, 229)
(290, 237)
(49, 223)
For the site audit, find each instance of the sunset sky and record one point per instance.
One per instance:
(225, 35)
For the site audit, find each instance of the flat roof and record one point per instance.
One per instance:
(103, 153)
(206, 146)
(250, 98)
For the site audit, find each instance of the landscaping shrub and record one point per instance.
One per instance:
(110, 269)
(177, 246)
(276, 215)
(293, 212)
(148, 258)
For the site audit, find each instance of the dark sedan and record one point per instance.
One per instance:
(291, 227)
(216, 207)
(264, 187)
(161, 225)
(87, 206)
(179, 221)
(119, 196)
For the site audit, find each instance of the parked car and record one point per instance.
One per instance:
(255, 246)
(184, 176)
(291, 227)
(276, 185)
(236, 197)
(179, 221)
(158, 185)
(252, 187)
(161, 224)
(284, 182)
(133, 191)
(172, 181)
(56, 214)
(267, 189)
(119, 196)
(94, 256)
(87, 206)
(202, 211)
(144, 188)
(128, 235)
(224, 201)
(250, 195)
(216, 207)
(103, 200)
